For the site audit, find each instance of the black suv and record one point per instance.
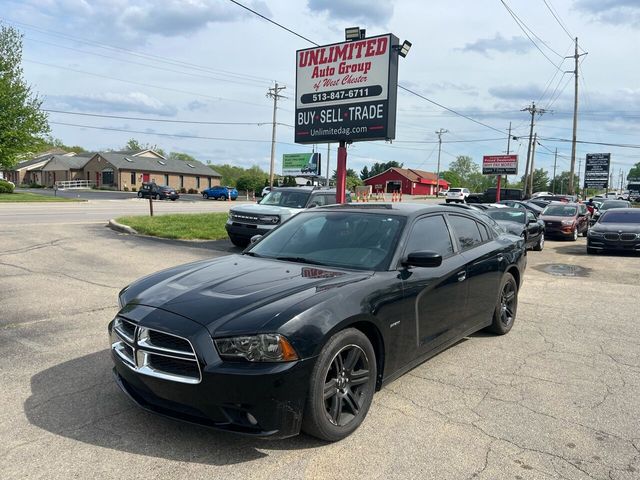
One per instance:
(155, 191)
(489, 196)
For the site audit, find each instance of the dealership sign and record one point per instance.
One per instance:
(301, 164)
(596, 170)
(347, 91)
(500, 165)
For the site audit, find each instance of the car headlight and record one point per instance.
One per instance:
(567, 222)
(267, 347)
(595, 234)
(270, 219)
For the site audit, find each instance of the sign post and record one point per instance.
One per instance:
(346, 92)
(499, 165)
(596, 170)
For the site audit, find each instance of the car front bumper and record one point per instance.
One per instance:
(599, 243)
(259, 399)
(245, 230)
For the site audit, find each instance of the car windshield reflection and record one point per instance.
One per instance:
(338, 239)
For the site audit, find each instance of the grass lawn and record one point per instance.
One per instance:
(186, 226)
(33, 197)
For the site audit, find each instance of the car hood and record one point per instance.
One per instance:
(266, 210)
(555, 218)
(616, 227)
(218, 291)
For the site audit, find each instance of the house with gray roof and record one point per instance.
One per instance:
(46, 169)
(127, 171)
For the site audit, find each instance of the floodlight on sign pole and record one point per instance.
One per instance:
(354, 33)
(403, 49)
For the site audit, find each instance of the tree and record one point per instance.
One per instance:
(364, 173)
(185, 157)
(560, 184)
(540, 180)
(133, 145)
(352, 180)
(452, 178)
(23, 125)
(252, 180)
(378, 168)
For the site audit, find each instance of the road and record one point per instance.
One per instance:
(558, 397)
(99, 211)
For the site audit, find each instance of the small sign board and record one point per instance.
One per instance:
(596, 170)
(347, 91)
(301, 164)
(500, 165)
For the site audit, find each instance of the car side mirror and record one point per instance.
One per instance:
(255, 239)
(423, 259)
(312, 205)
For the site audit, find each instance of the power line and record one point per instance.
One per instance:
(522, 26)
(399, 86)
(571, 37)
(161, 120)
(140, 84)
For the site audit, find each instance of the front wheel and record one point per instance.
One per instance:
(506, 307)
(540, 245)
(205, 196)
(139, 194)
(341, 386)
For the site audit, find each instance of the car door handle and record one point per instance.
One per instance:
(462, 276)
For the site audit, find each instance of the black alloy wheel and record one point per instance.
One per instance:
(540, 245)
(504, 314)
(341, 387)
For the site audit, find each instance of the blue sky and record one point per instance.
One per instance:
(212, 61)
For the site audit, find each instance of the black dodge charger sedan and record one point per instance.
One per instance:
(319, 313)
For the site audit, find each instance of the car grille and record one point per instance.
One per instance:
(253, 219)
(627, 237)
(155, 353)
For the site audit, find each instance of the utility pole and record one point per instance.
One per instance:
(439, 133)
(575, 56)
(275, 94)
(328, 153)
(555, 162)
(579, 173)
(533, 157)
(532, 110)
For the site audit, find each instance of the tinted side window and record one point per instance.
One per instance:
(531, 216)
(466, 230)
(484, 232)
(431, 234)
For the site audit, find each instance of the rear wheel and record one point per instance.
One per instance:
(341, 386)
(506, 307)
(205, 195)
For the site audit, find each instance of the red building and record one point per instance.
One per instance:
(406, 180)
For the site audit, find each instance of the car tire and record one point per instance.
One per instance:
(239, 241)
(205, 196)
(447, 201)
(574, 235)
(336, 407)
(504, 314)
(139, 194)
(540, 245)
(173, 199)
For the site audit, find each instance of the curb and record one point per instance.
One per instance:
(118, 227)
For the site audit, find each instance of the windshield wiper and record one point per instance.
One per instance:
(300, 260)
(251, 254)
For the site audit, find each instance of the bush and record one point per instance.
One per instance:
(125, 189)
(35, 185)
(183, 190)
(5, 187)
(134, 189)
(192, 190)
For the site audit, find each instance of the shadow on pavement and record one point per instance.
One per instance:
(79, 400)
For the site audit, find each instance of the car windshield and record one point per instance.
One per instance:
(614, 204)
(508, 215)
(337, 239)
(621, 217)
(560, 211)
(286, 198)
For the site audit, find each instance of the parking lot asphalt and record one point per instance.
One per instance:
(558, 397)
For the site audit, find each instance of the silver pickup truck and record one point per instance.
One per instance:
(276, 207)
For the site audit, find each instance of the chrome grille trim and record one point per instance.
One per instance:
(137, 352)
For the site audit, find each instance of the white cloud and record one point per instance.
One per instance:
(136, 102)
(364, 11)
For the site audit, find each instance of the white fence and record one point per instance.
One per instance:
(69, 184)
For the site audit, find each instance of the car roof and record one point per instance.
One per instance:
(402, 209)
